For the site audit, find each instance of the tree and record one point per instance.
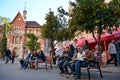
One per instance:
(5, 22)
(3, 43)
(55, 29)
(94, 16)
(33, 43)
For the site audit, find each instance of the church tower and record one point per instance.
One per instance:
(25, 13)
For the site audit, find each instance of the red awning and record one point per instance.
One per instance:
(81, 41)
(105, 39)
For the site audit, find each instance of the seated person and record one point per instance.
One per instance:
(37, 57)
(64, 61)
(42, 56)
(33, 62)
(58, 54)
(26, 61)
(77, 59)
(89, 56)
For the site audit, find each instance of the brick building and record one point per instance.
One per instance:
(16, 36)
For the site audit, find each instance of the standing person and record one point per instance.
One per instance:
(113, 52)
(7, 55)
(13, 55)
(75, 43)
(86, 45)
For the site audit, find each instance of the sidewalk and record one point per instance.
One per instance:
(106, 69)
(13, 72)
(111, 69)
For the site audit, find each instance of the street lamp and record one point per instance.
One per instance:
(61, 17)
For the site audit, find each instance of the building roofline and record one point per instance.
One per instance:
(16, 16)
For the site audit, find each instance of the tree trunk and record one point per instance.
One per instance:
(52, 52)
(99, 44)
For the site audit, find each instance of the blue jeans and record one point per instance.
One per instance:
(118, 57)
(6, 59)
(72, 67)
(113, 56)
(25, 64)
(78, 65)
(63, 65)
(13, 58)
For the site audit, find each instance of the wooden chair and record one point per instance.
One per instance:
(48, 61)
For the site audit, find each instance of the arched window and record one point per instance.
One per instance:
(17, 39)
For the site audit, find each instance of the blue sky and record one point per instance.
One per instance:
(36, 9)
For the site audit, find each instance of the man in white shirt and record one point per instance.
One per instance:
(78, 58)
(113, 52)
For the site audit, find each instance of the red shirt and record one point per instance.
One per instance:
(13, 53)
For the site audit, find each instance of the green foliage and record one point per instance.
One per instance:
(114, 6)
(53, 29)
(94, 16)
(3, 43)
(33, 43)
(91, 15)
(5, 22)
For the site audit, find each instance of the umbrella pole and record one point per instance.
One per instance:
(105, 55)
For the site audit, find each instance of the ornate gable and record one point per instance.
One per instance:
(18, 21)
(18, 25)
